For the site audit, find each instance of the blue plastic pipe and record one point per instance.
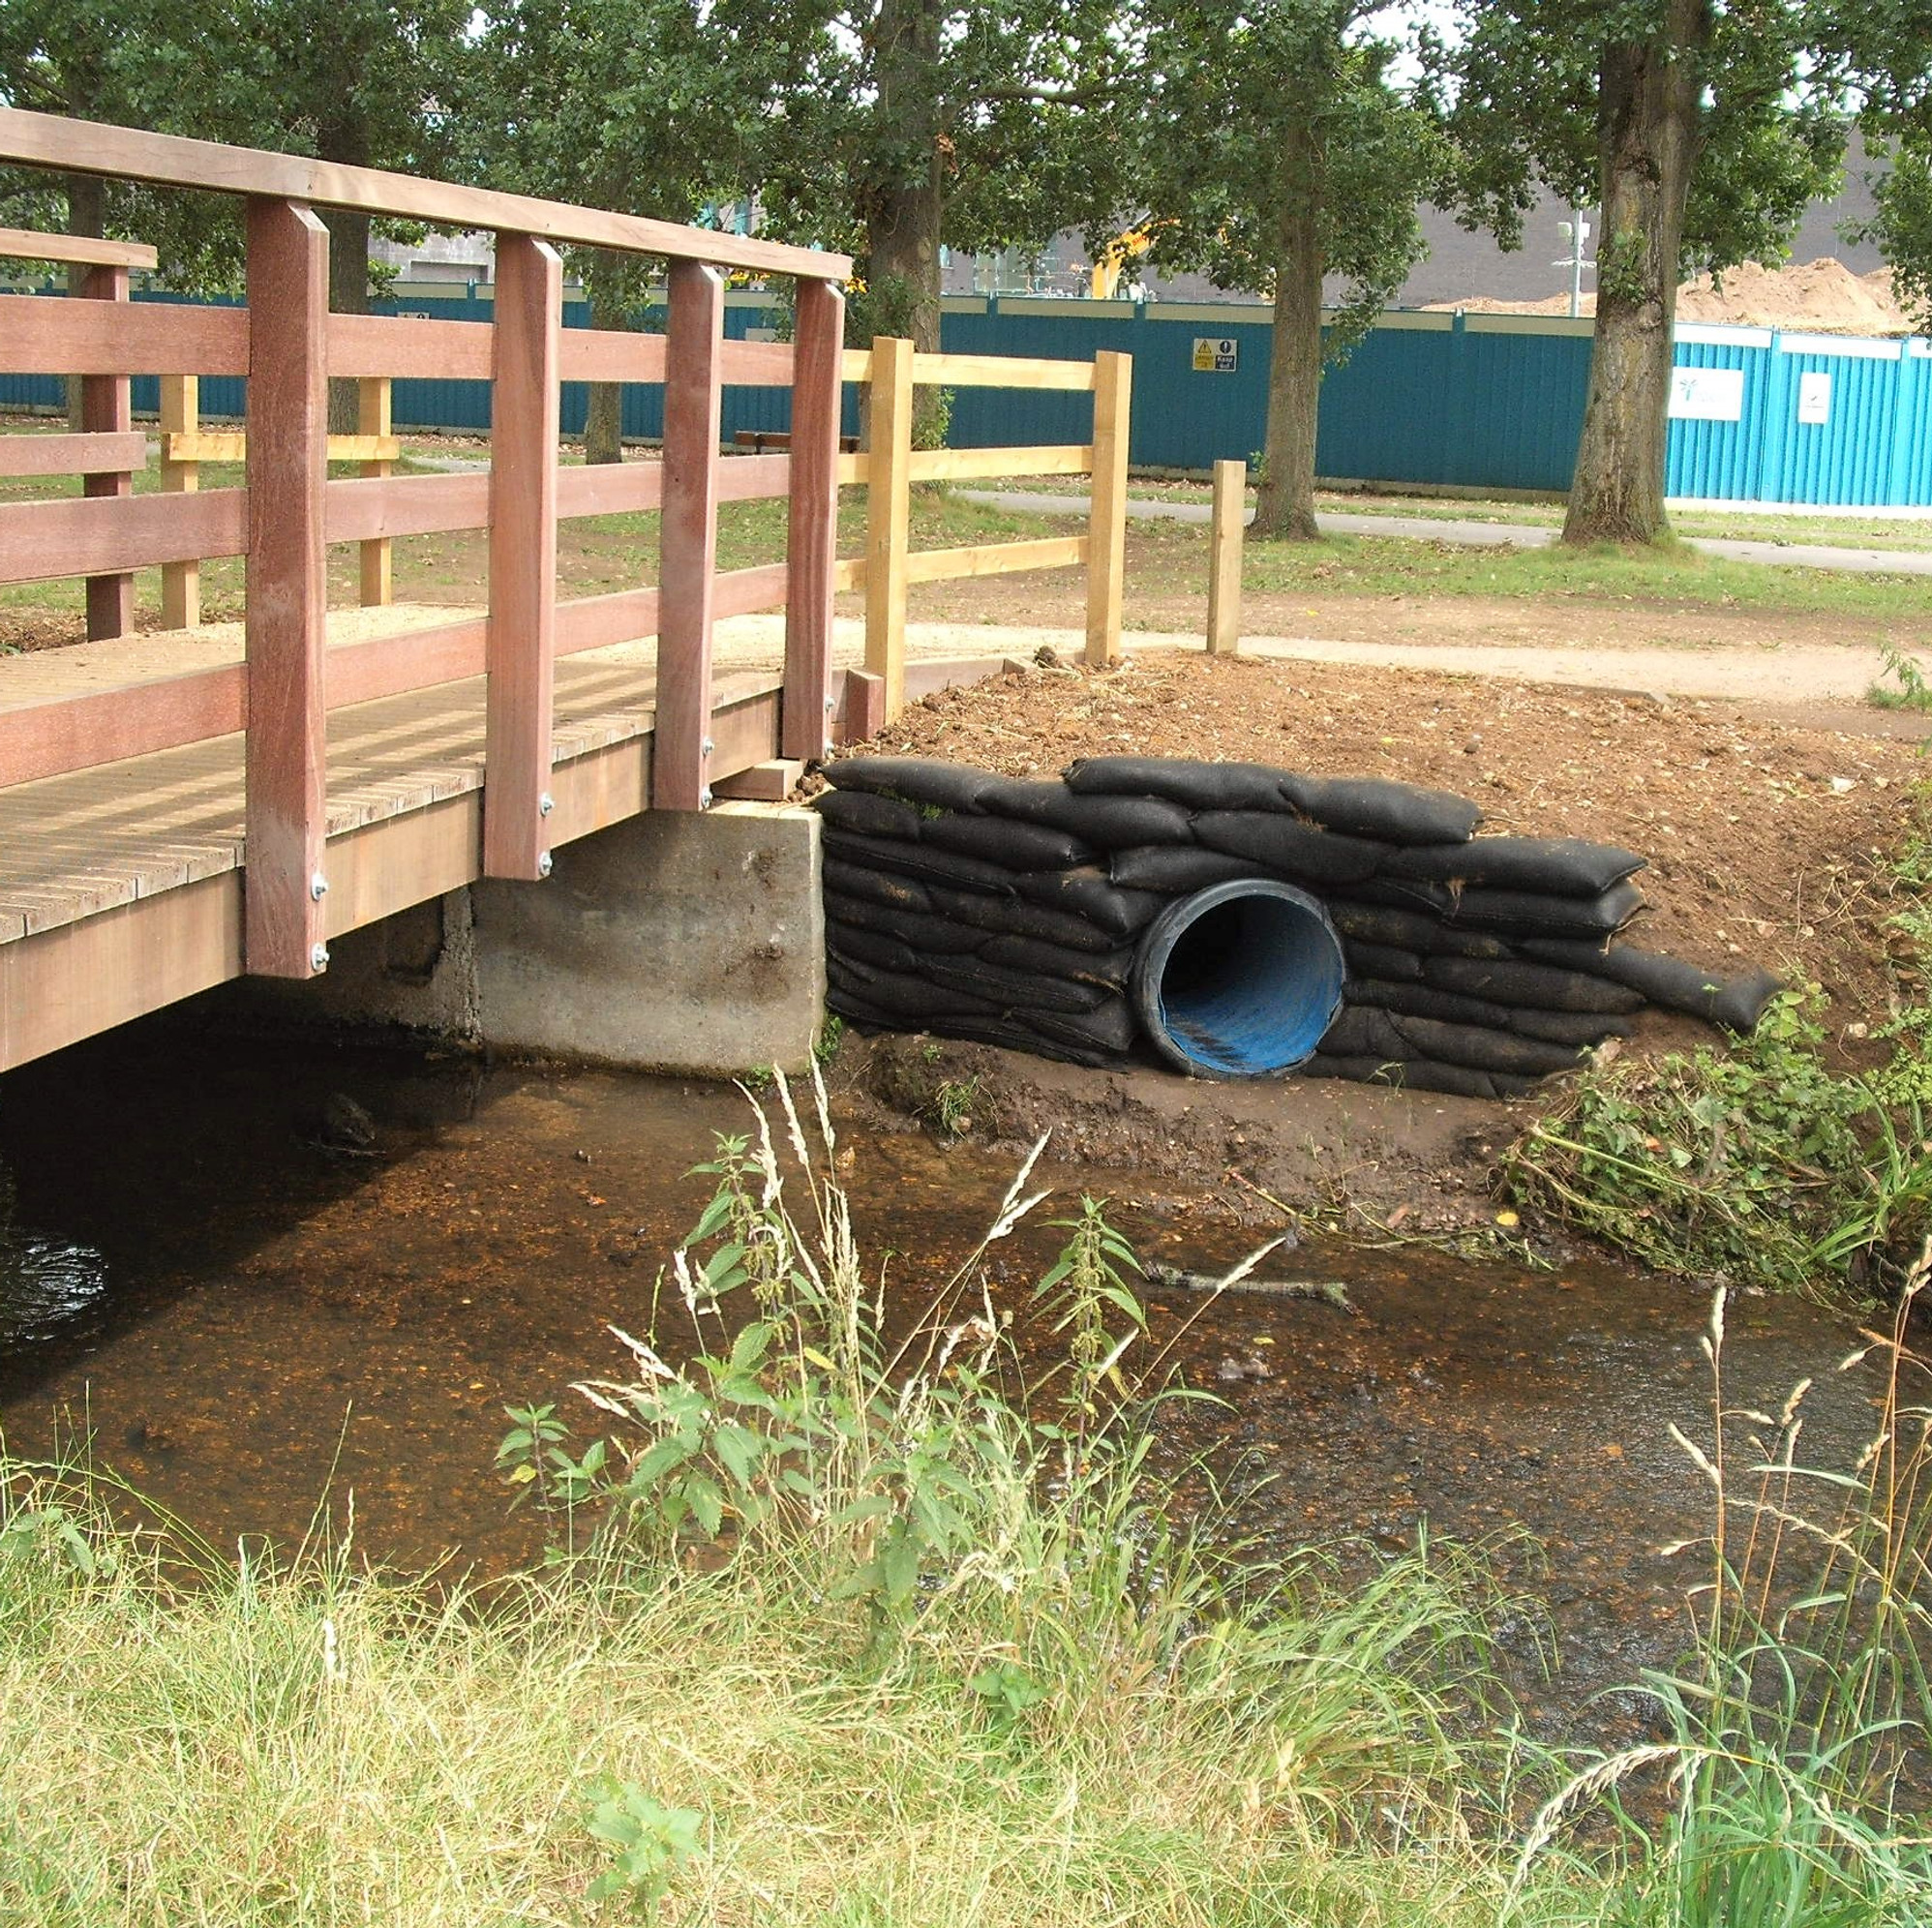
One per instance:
(1239, 980)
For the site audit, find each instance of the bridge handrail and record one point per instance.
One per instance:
(168, 160)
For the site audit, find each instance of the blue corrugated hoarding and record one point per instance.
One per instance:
(1427, 399)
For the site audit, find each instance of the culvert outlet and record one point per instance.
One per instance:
(1239, 980)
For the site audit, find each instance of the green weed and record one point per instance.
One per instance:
(1906, 689)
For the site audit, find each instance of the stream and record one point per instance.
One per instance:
(266, 1306)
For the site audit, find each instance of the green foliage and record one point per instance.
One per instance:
(648, 1842)
(1755, 1164)
(1907, 688)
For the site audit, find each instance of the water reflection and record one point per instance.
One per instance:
(45, 1284)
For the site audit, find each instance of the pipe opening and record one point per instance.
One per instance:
(1239, 980)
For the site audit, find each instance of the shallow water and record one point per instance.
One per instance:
(252, 1322)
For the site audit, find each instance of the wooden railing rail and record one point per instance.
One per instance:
(890, 371)
(290, 511)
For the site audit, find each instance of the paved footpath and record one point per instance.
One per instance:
(1484, 535)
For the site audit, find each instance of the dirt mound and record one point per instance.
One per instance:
(1822, 295)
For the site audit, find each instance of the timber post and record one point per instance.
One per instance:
(1106, 538)
(180, 415)
(889, 516)
(107, 407)
(287, 589)
(1230, 516)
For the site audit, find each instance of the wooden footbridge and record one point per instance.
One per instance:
(166, 824)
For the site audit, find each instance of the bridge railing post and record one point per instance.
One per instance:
(688, 540)
(373, 417)
(180, 415)
(812, 542)
(522, 652)
(287, 589)
(107, 407)
(889, 423)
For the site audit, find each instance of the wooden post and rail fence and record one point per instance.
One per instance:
(891, 370)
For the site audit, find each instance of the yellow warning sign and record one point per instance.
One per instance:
(1214, 355)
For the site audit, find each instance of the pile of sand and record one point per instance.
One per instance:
(1823, 295)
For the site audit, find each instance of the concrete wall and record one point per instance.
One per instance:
(669, 942)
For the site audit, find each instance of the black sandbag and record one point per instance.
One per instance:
(1530, 986)
(1485, 1049)
(1087, 893)
(1363, 1031)
(856, 945)
(1109, 968)
(1404, 893)
(930, 782)
(1183, 780)
(876, 887)
(1111, 1027)
(1426, 1001)
(1552, 867)
(1372, 807)
(867, 814)
(1418, 1074)
(920, 930)
(1300, 852)
(1569, 1027)
(1410, 930)
(929, 867)
(1112, 823)
(1000, 840)
(1175, 869)
(1735, 1003)
(1527, 914)
(1017, 991)
(1016, 916)
(1382, 960)
(912, 997)
(1101, 1041)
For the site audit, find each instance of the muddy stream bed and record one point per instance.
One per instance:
(250, 1322)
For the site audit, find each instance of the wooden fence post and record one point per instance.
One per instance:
(889, 516)
(373, 418)
(287, 589)
(521, 654)
(681, 746)
(107, 407)
(1223, 590)
(812, 541)
(1106, 535)
(180, 415)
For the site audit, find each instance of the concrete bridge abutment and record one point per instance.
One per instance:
(669, 942)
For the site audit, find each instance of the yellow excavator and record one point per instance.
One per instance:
(1106, 273)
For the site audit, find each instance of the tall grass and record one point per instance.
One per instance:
(846, 1637)
(1794, 1745)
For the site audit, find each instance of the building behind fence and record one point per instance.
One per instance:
(1430, 399)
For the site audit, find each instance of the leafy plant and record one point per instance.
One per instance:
(1744, 1165)
(1907, 688)
(647, 1843)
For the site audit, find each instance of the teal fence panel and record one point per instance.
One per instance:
(1427, 399)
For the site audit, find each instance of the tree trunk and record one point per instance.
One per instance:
(1285, 506)
(905, 205)
(603, 420)
(86, 217)
(1648, 135)
(345, 141)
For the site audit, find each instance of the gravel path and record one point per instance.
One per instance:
(1488, 534)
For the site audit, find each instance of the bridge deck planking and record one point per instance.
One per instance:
(101, 870)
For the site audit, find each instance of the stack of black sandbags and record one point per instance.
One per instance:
(1006, 911)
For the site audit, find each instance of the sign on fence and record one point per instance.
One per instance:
(1708, 394)
(1216, 354)
(1814, 397)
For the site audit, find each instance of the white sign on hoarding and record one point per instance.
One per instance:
(1708, 394)
(1814, 397)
